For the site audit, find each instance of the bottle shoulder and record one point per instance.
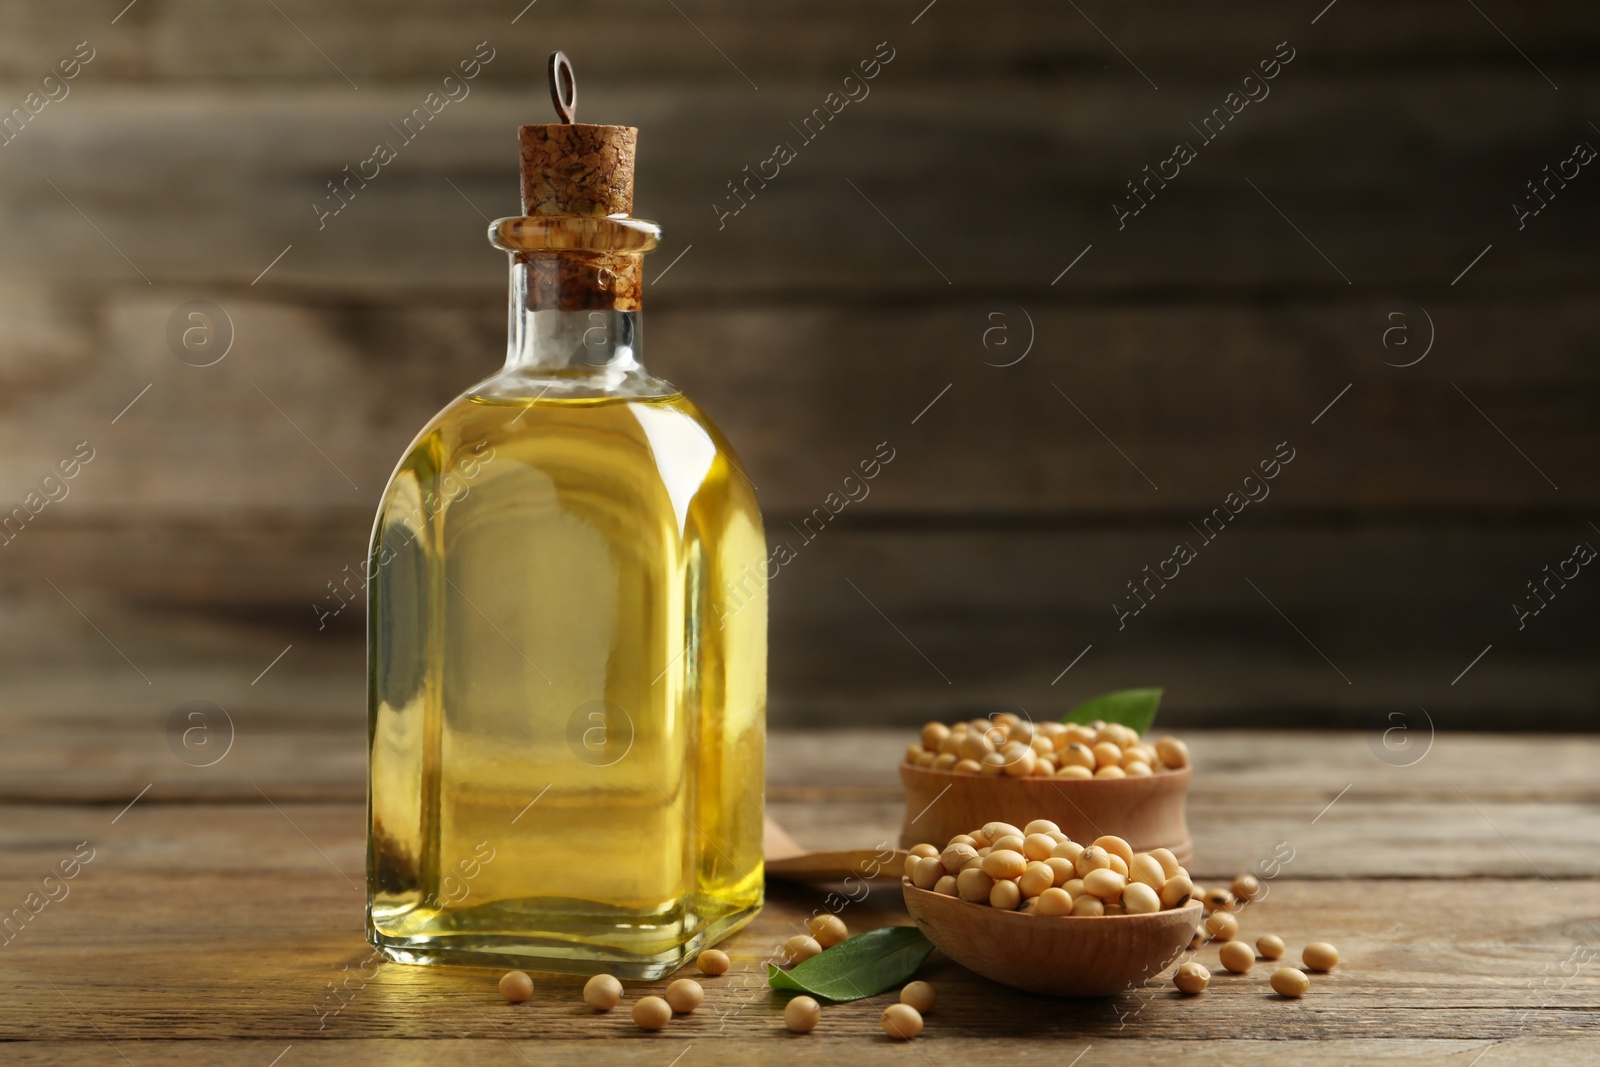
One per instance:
(522, 385)
(629, 447)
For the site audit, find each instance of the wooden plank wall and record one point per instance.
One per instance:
(904, 259)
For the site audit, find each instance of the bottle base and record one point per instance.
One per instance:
(530, 952)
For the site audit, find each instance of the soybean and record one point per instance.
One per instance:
(1222, 925)
(713, 961)
(828, 930)
(974, 747)
(1177, 891)
(1019, 759)
(1054, 901)
(1271, 946)
(1036, 879)
(516, 986)
(972, 884)
(1005, 895)
(800, 948)
(994, 831)
(1068, 850)
(1038, 847)
(955, 857)
(918, 995)
(685, 995)
(1168, 861)
(602, 992)
(1172, 753)
(1237, 956)
(927, 872)
(1139, 899)
(1288, 982)
(1077, 755)
(1117, 847)
(1087, 905)
(1004, 864)
(902, 1022)
(1092, 858)
(1147, 869)
(1320, 956)
(652, 1013)
(801, 1015)
(1104, 883)
(1191, 978)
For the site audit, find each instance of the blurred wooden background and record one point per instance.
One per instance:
(824, 319)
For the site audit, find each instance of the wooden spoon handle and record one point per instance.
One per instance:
(786, 859)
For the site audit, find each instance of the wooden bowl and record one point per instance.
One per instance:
(1064, 956)
(1145, 812)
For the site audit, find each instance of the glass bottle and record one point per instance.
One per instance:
(567, 628)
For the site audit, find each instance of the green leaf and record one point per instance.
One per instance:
(1133, 708)
(861, 966)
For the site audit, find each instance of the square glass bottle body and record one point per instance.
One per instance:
(567, 670)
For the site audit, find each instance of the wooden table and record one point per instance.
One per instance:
(220, 909)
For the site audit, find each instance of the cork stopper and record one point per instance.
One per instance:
(575, 171)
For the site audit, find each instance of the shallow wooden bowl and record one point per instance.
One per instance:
(1064, 956)
(1145, 812)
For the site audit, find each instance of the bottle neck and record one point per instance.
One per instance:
(569, 345)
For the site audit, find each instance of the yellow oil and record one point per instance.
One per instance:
(567, 670)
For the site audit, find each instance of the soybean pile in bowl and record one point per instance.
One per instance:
(1032, 909)
(1096, 778)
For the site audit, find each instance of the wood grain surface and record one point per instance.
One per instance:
(1462, 891)
(854, 301)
